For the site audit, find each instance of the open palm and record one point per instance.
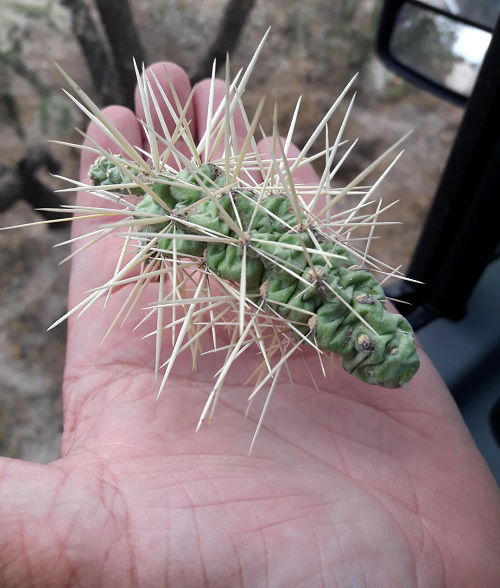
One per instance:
(348, 484)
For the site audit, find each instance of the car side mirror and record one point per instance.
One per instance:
(438, 45)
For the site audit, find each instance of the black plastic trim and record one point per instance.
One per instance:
(461, 232)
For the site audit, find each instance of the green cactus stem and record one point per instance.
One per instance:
(104, 172)
(323, 293)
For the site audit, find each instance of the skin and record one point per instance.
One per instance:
(348, 484)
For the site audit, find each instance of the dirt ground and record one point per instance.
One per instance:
(314, 49)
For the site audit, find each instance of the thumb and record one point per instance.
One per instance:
(30, 543)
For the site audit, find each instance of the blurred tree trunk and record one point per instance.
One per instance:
(94, 49)
(20, 182)
(233, 21)
(348, 9)
(124, 42)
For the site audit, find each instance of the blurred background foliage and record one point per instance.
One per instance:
(314, 49)
(18, 23)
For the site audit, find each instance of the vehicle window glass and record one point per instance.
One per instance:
(482, 12)
(444, 50)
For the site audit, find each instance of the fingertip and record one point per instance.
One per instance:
(165, 75)
(201, 100)
(163, 71)
(203, 86)
(121, 116)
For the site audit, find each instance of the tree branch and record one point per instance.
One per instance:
(94, 49)
(233, 21)
(124, 41)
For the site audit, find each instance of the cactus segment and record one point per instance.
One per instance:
(105, 172)
(344, 301)
(208, 176)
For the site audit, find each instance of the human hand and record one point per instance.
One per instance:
(348, 485)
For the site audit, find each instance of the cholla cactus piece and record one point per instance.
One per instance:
(287, 271)
(291, 271)
(106, 173)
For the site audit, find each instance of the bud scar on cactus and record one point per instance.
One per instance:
(244, 245)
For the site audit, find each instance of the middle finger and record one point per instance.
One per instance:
(204, 111)
(168, 91)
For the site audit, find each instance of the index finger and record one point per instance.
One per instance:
(95, 264)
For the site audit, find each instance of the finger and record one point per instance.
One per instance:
(304, 174)
(96, 264)
(27, 523)
(207, 100)
(202, 109)
(170, 86)
(124, 120)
